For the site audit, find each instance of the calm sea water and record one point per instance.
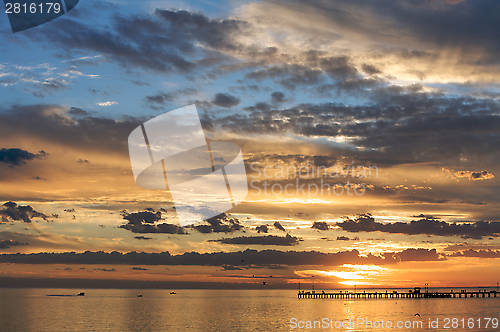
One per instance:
(227, 310)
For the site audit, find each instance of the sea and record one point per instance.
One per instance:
(54, 310)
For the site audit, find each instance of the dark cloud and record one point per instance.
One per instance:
(140, 83)
(278, 226)
(414, 255)
(262, 229)
(321, 225)
(269, 240)
(147, 222)
(18, 157)
(472, 230)
(407, 126)
(142, 217)
(164, 228)
(370, 69)
(222, 223)
(48, 87)
(19, 212)
(105, 270)
(160, 99)
(49, 123)
(78, 112)
(254, 267)
(225, 100)
(346, 238)
(277, 97)
(339, 68)
(288, 75)
(477, 253)
(143, 238)
(231, 268)
(163, 42)
(6, 244)
(247, 258)
(217, 34)
(469, 28)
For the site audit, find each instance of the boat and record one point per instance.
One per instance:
(173, 293)
(139, 295)
(81, 294)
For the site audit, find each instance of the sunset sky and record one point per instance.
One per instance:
(396, 99)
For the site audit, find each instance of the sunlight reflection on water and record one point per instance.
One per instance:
(213, 310)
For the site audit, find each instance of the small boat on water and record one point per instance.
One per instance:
(139, 295)
(66, 295)
(173, 293)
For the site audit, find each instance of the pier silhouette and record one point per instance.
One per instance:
(411, 294)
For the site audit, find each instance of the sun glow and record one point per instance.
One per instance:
(350, 274)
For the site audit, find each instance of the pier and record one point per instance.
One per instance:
(411, 294)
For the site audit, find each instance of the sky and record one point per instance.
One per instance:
(369, 132)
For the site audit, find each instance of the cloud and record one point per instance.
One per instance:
(160, 99)
(417, 255)
(394, 33)
(78, 112)
(262, 229)
(278, 226)
(19, 212)
(370, 69)
(222, 223)
(164, 228)
(147, 222)
(320, 225)
(6, 244)
(105, 270)
(269, 240)
(40, 80)
(51, 124)
(163, 42)
(477, 253)
(288, 75)
(277, 97)
(346, 238)
(471, 175)
(18, 157)
(143, 238)
(409, 127)
(107, 103)
(225, 100)
(240, 258)
(217, 34)
(231, 268)
(425, 226)
(142, 217)
(49, 86)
